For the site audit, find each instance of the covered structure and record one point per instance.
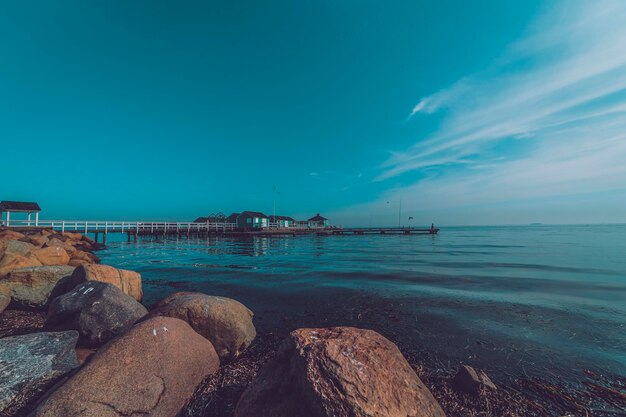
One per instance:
(252, 220)
(282, 221)
(9, 207)
(318, 221)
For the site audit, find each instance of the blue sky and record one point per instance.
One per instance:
(484, 112)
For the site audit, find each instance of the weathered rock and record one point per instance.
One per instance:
(87, 257)
(337, 372)
(225, 322)
(128, 281)
(472, 381)
(34, 287)
(152, 370)
(73, 236)
(30, 364)
(55, 242)
(18, 247)
(38, 240)
(5, 297)
(52, 255)
(11, 235)
(11, 261)
(99, 311)
(88, 240)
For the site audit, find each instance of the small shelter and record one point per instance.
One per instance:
(317, 221)
(252, 220)
(283, 221)
(9, 207)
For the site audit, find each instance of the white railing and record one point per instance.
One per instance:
(90, 226)
(86, 226)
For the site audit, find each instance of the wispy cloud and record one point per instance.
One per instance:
(561, 90)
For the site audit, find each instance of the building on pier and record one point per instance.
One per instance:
(317, 221)
(252, 220)
(9, 207)
(282, 222)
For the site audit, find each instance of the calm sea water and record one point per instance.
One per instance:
(537, 300)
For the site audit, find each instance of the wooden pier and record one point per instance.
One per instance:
(133, 229)
(378, 231)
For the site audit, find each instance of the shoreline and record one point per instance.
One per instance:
(526, 396)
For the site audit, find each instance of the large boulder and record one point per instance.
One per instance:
(18, 247)
(52, 255)
(11, 261)
(226, 323)
(151, 371)
(337, 372)
(99, 311)
(30, 364)
(128, 281)
(34, 287)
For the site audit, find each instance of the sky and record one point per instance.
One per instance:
(368, 112)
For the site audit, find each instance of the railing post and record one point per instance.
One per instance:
(63, 226)
(122, 227)
(86, 223)
(106, 226)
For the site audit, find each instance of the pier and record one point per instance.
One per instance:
(133, 229)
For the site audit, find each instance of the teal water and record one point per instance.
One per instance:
(543, 300)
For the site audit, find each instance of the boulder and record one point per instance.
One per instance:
(87, 257)
(88, 240)
(52, 255)
(5, 297)
(337, 372)
(11, 235)
(73, 236)
(34, 287)
(128, 281)
(32, 363)
(225, 322)
(38, 240)
(470, 380)
(151, 371)
(11, 261)
(55, 242)
(17, 247)
(99, 311)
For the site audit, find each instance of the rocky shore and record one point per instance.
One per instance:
(76, 340)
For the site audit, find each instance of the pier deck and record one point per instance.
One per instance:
(149, 228)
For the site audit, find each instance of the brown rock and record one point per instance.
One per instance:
(11, 261)
(337, 372)
(470, 380)
(38, 240)
(11, 235)
(77, 262)
(150, 371)
(128, 281)
(18, 247)
(225, 322)
(88, 240)
(74, 236)
(56, 242)
(52, 255)
(34, 287)
(88, 257)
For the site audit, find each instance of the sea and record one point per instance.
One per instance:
(535, 301)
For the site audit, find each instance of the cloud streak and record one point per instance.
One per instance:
(548, 118)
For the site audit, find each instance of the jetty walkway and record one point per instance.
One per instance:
(151, 228)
